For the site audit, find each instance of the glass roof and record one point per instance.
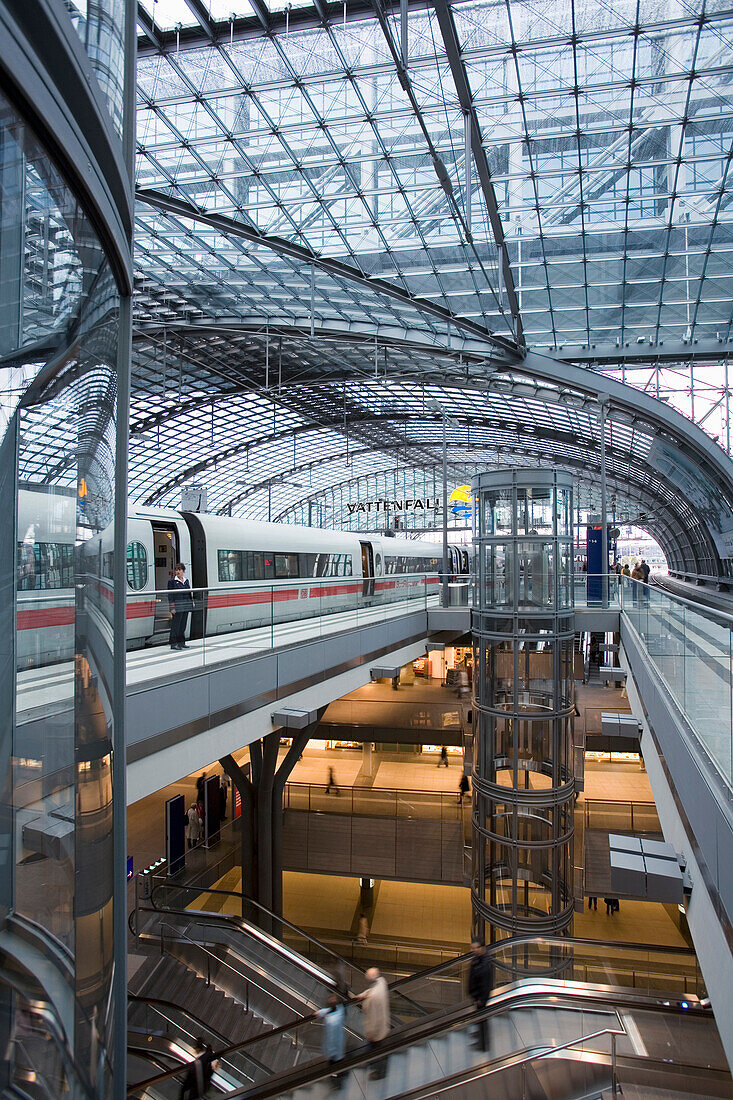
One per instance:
(339, 213)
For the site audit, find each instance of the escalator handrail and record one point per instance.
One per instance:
(496, 949)
(240, 924)
(262, 908)
(205, 948)
(201, 1025)
(526, 993)
(293, 1079)
(252, 930)
(507, 1061)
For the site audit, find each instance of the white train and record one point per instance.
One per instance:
(243, 574)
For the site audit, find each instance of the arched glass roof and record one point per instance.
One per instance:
(349, 212)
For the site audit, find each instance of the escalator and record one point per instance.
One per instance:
(553, 1032)
(548, 1039)
(276, 980)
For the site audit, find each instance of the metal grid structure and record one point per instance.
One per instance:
(350, 212)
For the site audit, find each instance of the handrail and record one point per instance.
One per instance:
(559, 941)
(256, 933)
(281, 582)
(154, 1002)
(704, 610)
(257, 905)
(528, 993)
(209, 955)
(512, 1061)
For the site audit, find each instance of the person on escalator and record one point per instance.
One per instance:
(375, 1005)
(333, 1018)
(198, 1076)
(480, 984)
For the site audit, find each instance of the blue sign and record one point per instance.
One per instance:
(129, 868)
(594, 555)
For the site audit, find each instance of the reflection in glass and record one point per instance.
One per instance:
(57, 477)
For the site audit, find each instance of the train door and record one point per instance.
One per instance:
(367, 569)
(166, 549)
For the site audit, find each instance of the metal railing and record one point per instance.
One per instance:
(375, 801)
(631, 816)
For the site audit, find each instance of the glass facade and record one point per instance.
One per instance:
(61, 349)
(524, 704)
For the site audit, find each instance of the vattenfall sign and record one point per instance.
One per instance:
(406, 504)
(460, 501)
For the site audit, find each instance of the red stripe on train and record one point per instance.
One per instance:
(33, 618)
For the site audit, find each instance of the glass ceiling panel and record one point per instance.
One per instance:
(608, 142)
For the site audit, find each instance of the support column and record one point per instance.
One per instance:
(523, 705)
(262, 815)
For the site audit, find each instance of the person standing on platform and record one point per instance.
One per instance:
(333, 1018)
(592, 902)
(480, 984)
(443, 756)
(332, 785)
(223, 791)
(180, 602)
(463, 788)
(200, 784)
(194, 826)
(375, 1005)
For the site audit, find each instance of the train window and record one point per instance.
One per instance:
(108, 566)
(286, 565)
(268, 566)
(137, 566)
(230, 565)
(308, 565)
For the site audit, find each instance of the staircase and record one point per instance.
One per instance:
(168, 979)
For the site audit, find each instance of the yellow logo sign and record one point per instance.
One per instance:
(82, 487)
(462, 501)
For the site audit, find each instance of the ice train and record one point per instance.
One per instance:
(244, 574)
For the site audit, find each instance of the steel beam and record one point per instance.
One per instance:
(460, 79)
(231, 228)
(647, 354)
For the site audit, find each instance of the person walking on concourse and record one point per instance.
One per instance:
(332, 785)
(333, 1018)
(480, 984)
(180, 602)
(375, 1005)
(443, 757)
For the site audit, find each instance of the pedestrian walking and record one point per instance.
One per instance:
(200, 784)
(443, 757)
(375, 1005)
(194, 826)
(363, 932)
(480, 984)
(333, 1018)
(463, 788)
(198, 1076)
(332, 785)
